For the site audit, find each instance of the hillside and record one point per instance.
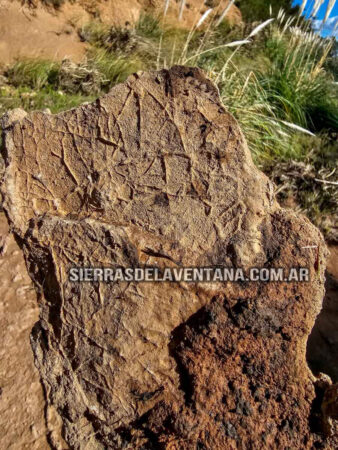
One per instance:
(45, 30)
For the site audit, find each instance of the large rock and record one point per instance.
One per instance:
(157, 172)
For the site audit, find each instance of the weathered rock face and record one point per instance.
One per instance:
(157, 172)
(22, 422)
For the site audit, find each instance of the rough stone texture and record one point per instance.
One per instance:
(158, 172)
(22, 423)
(322, 348)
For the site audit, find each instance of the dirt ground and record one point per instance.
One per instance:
(36, 33)
(40, 32)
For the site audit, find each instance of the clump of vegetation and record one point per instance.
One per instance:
(149, 27)
(110, 38)
(139, 41)
(307, 182)
(33, 73)
(45, 98)
(258, 10)
(83, 78)
(52, 3)
(331, 63)
(115, 68)
(296, 81)
(94, 75)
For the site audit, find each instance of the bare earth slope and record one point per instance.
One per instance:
(158, 172)
(40, 32)
(27, 33)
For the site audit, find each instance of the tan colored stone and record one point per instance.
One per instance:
(22, 422)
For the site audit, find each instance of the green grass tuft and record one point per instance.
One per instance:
(114, 68)
(148, 26)
(33, 73)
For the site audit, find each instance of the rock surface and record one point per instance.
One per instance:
(22, 423)
(157, 172)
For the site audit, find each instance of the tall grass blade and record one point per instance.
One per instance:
(166, 6)
(204, 17)
(281, 14)
(304, 2)
(237, 43)
(297, 128)
(260, 27)
(231, 44)
(225, 12)
(182, 6)
(329, 9)
(316, 7)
